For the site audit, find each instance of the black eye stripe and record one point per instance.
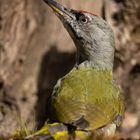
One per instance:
(79, 15)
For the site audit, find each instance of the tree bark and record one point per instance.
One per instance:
(20, 28)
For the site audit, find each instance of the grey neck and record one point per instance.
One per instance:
(96, 56)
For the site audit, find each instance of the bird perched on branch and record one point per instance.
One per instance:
(87, 98)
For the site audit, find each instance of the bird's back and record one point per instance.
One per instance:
(87, 98)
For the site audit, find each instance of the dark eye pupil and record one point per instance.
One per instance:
(84, 19)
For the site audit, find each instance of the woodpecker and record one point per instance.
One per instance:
(87, 98)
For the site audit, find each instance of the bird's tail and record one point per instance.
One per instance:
(58, 131)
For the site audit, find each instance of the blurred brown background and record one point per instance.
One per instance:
(35, 50)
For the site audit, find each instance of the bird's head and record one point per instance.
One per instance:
(92, 35)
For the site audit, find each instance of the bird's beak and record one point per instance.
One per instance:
(59, 9)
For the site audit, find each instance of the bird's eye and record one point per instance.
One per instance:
(84, 19)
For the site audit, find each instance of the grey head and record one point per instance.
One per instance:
(93, 37)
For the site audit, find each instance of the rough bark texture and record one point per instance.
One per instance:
(35, 50)
(20, 28)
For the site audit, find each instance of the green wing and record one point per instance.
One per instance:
(88, 93)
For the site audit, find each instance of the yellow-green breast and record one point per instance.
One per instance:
(90, 94)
